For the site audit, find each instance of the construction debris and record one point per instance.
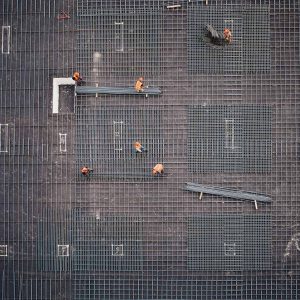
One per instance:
(63, 16)
(116, 90)
(229, 193)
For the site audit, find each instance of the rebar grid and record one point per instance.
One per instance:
(36, 175)
(232, 138)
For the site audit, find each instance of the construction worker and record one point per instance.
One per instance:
(86, 172)
(139, 85)
(158, 169)
(213, 37)
(76, 77)
(227, 36)
(139, 148)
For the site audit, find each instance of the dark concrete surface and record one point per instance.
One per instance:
(36, 176)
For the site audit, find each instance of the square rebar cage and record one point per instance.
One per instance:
(106, 136)
(250, 50)
(122, 43)
(233, 138)
(229, 242)
(106, 244)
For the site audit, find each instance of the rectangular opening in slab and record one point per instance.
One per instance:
(230, 248)
(62, 142)
(66, 99)
(117, 132)
(63, 103)
(117, 250)
(119, 36)
(3, 137)
(3, 250)
(229, 133)
(5, 39)
(63, 250)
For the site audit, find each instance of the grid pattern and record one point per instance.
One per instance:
(234, 138)
(106, 244)
(256, 40)
(250, 50)
(37, 175)
(123, 43)
(54, 231)
(105, 138)
(229, 242)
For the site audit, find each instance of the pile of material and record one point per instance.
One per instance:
(116, 90)
(226, 192)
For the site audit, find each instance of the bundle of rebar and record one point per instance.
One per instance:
(116, 90)
(226, 192)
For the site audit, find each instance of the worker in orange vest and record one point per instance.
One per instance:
(76, 77)
(139, 84)
(158, 169)
(227, 35)
(139, 148)
(86, 172)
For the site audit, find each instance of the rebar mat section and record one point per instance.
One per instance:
(105, 138)
(233, 138)
(54, 240)
(121, 43)
(106, 243)
(229, 242)
(250, 49)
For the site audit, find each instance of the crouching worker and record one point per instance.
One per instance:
(158, 169)
(139, 148)
(77, 77)
(227, 36)
(139, 85)
(86, 172)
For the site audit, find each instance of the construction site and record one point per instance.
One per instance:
(167, 167)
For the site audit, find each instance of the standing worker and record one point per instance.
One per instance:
(86, 172)
(158, 169)
(227, 36)
(139, 148)
(139, 85)
(76, 77)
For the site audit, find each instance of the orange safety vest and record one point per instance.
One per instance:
(138, 146)
(227, 35)
(159, 168)
(138, 86)
(76, 76)
(85, 171)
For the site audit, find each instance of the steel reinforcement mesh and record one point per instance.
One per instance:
(229, 242)
(120, 42)
(105, 140)
(250, 49)
(233, 138)
(44, 202)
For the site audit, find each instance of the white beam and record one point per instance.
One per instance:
(55, 95)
